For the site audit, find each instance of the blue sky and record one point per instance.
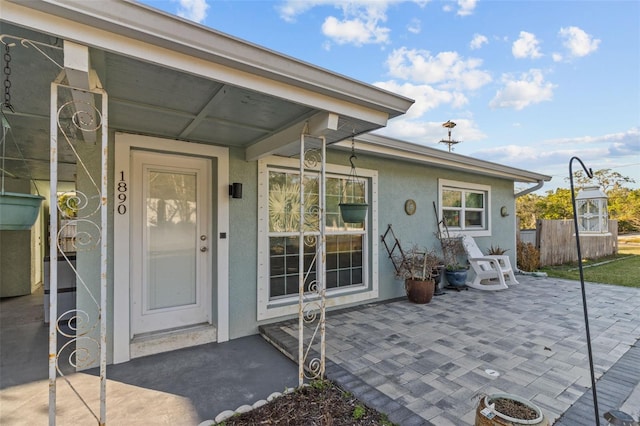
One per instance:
(529, 83)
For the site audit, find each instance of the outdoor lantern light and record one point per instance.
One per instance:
(235, 190)
(591, 206)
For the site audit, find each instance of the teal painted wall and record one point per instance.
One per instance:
(397, 182)
(243, 247)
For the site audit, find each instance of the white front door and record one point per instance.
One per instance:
(170, 241)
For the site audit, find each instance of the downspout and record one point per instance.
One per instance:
(529, 190)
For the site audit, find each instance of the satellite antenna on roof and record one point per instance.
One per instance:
(449, 125)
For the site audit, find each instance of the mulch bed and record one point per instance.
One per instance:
(321, 403)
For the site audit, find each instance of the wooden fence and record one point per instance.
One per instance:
(557, 242)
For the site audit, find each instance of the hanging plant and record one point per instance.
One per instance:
(354, 207)
(18, 211)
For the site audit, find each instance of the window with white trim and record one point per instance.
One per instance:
(344, 242)
(351, 249)
(464, 206)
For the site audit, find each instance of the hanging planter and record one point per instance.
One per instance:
(18, 212)
(353, 212)
(354, 208)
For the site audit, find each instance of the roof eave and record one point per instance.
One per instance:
(395, 148)
(153, 26)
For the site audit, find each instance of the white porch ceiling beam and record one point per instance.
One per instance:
(202, 115)
(78, 72)
(317, 125)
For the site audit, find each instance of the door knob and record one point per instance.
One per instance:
(203, 249)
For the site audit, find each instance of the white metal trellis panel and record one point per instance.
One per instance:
(311, 301)
(82, 117)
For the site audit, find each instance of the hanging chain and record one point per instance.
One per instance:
(7, 82)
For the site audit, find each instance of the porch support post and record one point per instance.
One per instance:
(53, 254)
(301, 271)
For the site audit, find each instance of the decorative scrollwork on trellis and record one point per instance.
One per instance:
(312, 158)
(312, 298)
(85, 235)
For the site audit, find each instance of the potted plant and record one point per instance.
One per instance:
(418, 267)
(503, 409)
(456, 274)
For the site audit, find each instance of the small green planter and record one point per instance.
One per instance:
(353, 212)
(18, 212)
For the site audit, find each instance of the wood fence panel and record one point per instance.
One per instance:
(557, 242)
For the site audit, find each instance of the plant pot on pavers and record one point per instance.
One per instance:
(502, 409)
(419, 291)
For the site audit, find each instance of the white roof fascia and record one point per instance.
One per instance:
(138, 31)
(394, 148)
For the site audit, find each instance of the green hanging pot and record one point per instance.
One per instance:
(18, 212)
(353, 212)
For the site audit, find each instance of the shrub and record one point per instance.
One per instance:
(528, 257)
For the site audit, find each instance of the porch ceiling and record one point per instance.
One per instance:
(145, 98)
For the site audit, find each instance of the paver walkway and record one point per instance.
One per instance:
(427, 364)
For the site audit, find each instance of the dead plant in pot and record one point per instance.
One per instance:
(418, 267)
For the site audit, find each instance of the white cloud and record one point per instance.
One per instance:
(361, 21)
(426, 97)
(415, 26)
(578, 42)
(618, 144)
(194, 10)
(527, 46)
(557, 57)
(466, 7)
(518, 93)
(447, 69)
(354, 31)
(477, 41)
(617, 151)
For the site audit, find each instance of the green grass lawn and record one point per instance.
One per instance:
(622, 269)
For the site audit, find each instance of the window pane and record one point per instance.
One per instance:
(473, 219)
(284, 202)
(452, 218)
(277, 287)
(451, 198)
(474, 200)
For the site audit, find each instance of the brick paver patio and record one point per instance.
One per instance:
(427, 364)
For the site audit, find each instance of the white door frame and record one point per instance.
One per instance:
(124, 143)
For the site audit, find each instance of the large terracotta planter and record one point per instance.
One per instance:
(488, 416)
(419, 291)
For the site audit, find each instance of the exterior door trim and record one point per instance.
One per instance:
(124, 143)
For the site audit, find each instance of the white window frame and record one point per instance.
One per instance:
(444, 184)
(283, 306)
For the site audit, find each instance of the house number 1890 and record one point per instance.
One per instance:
(121, 190)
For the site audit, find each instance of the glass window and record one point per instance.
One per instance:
(464, 208)
(344, 242)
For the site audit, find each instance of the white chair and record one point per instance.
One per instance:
(488, 268)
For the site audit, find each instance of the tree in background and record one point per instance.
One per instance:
(623, 203)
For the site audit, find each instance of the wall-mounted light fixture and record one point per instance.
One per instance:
(503, 211)
(235, 190)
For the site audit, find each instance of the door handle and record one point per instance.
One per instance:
(203, 249)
